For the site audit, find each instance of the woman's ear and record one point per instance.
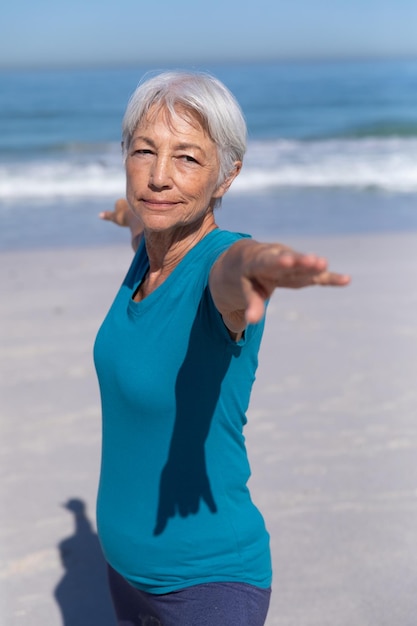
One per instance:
(224, 186)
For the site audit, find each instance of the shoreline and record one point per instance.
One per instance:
(272, 214)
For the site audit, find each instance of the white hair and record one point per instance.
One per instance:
(202, 94)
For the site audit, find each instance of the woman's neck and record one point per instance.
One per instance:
(166, 249)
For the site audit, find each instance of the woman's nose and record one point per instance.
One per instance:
(161, 172)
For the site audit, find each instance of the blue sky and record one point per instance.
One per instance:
(91, 32)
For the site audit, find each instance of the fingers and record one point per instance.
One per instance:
(331, 279)
(255, 309)
(292, 269)
(284, 269)
(119, 215)
(309, 262)
(314, 269)
(107, 216)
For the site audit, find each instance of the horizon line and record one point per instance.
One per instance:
(121, 64)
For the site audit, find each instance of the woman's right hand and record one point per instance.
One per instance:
(123, 216)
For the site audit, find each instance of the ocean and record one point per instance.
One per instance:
(332, 148)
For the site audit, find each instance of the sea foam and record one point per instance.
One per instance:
(388, 164)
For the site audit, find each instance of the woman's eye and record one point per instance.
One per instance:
(188, 158)
(142, 151)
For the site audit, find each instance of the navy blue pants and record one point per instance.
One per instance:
(210, 604)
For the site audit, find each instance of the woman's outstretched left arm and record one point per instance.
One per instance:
(246, 275)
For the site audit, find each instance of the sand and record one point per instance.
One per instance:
(332, 437)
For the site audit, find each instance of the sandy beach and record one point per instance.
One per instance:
(332, 437)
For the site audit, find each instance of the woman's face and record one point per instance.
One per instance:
(172, 167)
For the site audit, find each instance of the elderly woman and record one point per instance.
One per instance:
(176, 359)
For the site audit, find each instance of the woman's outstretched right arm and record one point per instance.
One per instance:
(123, 216)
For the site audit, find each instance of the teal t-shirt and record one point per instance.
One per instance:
(173, 505)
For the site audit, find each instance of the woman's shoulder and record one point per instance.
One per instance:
(219, 240)
(138, 266)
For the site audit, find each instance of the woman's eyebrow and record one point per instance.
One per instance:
(145, 139)
(189, 146)
(179, 146)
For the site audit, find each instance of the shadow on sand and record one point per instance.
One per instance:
(82, 594)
